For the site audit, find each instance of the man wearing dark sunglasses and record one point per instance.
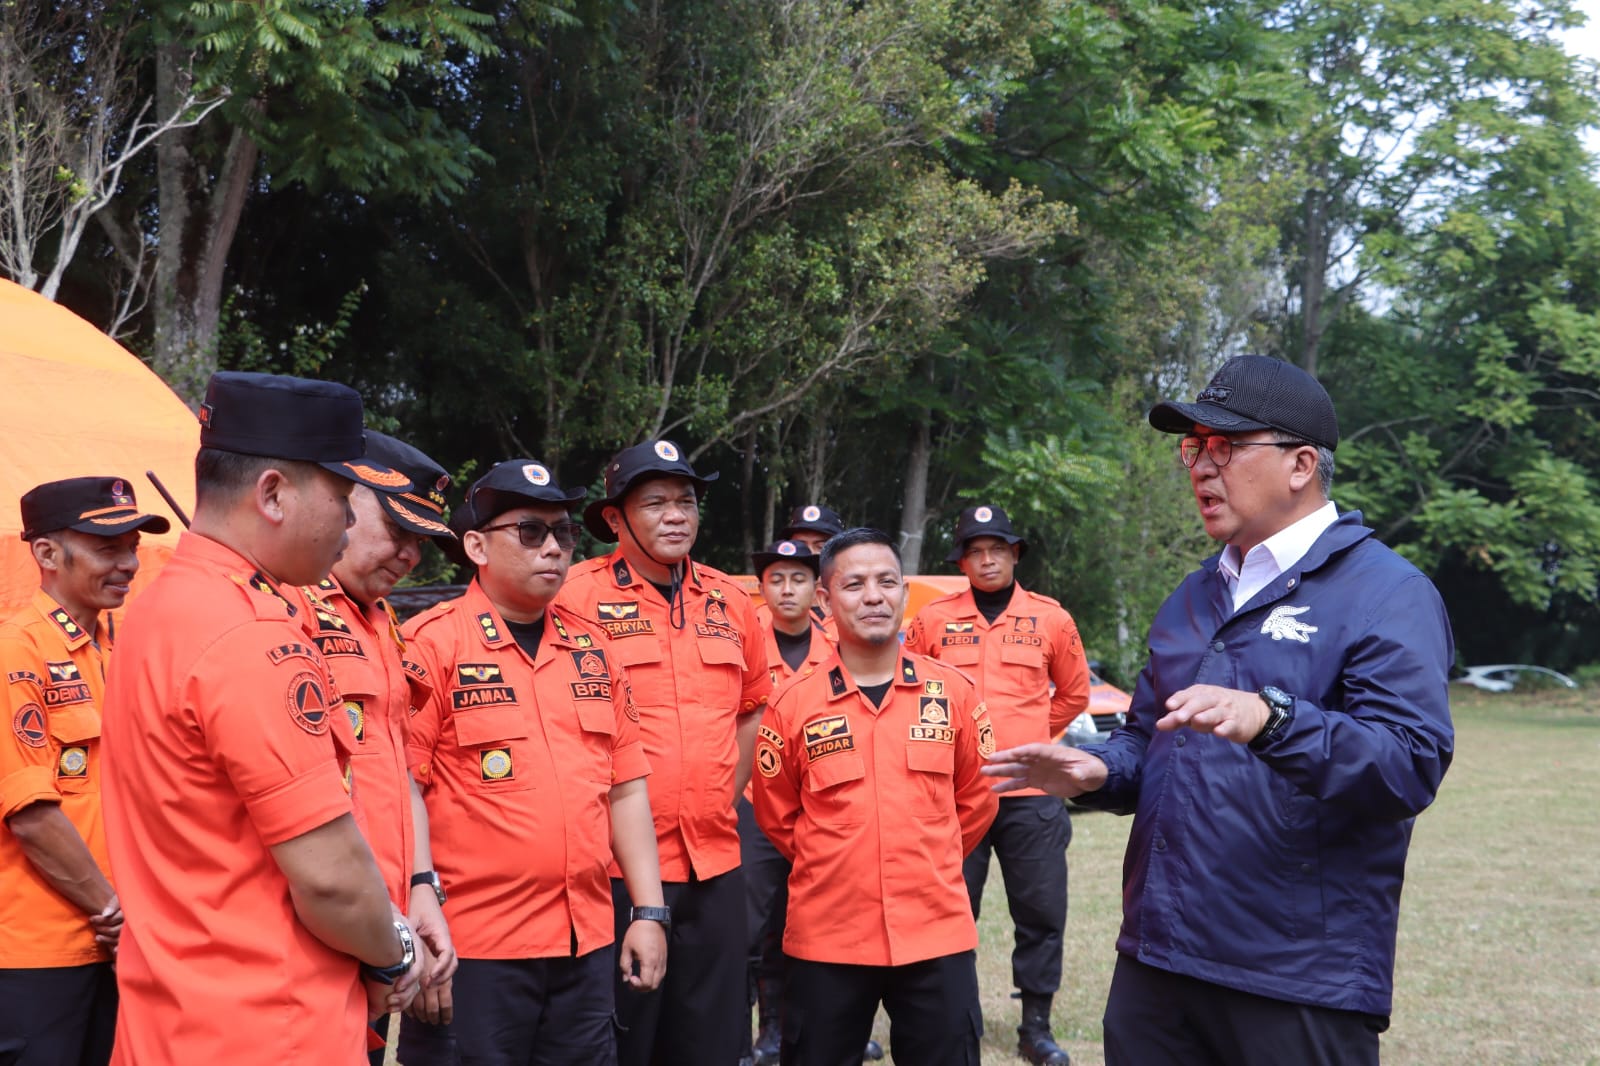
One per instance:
(1291, 723)
(689, 638)
(525, 742)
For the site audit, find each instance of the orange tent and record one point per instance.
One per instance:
(75, 403)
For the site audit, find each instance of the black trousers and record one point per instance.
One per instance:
(58, 1016)
(522, 1012)
(1156, 1018)
(1030, 837)
(766, 885)
(934, 1019)
(700, 1014)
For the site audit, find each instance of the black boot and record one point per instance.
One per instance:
(1034, 1040)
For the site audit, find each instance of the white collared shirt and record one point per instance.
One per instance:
(1274, 555)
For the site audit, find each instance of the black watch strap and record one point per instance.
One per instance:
(431, 879)
(1280, 712)
(650, 914)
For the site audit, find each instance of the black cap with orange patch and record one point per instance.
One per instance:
(420, 508)
(104, 506)
(291, 418)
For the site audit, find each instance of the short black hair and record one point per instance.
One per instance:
(854, 538)
(220, 474)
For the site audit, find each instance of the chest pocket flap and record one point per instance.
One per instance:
(74, 725)
(720, 651)
(481, 726)
(596, 716)
(1022, 655)
(636, 650)
(931, 756)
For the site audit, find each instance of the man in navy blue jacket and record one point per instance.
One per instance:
(1290, 724)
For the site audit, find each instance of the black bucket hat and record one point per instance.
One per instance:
(983, 521)
(103, 506)
(1253, 392)
(642, 462)
(786, 551)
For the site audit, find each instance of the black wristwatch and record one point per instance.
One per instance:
(1280, 712)
(431, 879)
(388, 975)
(651, 914)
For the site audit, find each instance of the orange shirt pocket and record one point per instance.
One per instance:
(77, 732)
(1022, 655)
(961, 654)
(495, 741)
(835, 792)
(639, 650)
(933, 767)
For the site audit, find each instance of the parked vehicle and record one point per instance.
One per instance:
(1504, 676)
(1108, 709)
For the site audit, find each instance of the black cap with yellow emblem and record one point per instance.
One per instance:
(298, 419)
(103, 506)
(420, 508)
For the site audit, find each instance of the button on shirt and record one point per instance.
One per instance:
(876, 807)
(362, 646)
(692, 682)
(1273, 556)
(219, 744)
(1028, 663)
(55, 682)
(516, 759)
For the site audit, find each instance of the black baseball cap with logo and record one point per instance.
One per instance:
(104, 506)
(813, 518)
(983, 521)
(298, 419)
(516, 483)
(786, 551)
(1252, 392)
(419, 508)
(632, 466)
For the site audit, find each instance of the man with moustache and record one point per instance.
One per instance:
(1290, 724)
(689, 639)
(58, 991)
(876, 753)
(261, 932)
(526, 743)
(359, 637)
(1023, 651)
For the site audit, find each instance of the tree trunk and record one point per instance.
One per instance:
(1314, 272)
(199, 216)
(914, 504)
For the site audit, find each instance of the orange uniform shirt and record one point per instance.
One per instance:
(55, 682)
(830, 628)
(820, 651)
(363, 646)
(692, 683)
(219, 744)
(516, 759)
(876, 807)
(1014, 661)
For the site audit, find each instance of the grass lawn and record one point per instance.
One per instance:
(1499, 955)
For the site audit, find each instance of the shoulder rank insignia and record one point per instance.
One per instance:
(64, 621)
(561, 630)
(908, 669)
(326, 584)
(836, 681)
(491, 632)
(259, 582)
(620, 572)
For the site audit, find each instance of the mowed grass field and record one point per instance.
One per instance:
(1499, 954)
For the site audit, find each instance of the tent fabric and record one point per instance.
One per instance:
(75, 403)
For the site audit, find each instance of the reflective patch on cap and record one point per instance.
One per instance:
(536, 474)
(667, 450)
(983, 514)
(786, 547)
(812, 513)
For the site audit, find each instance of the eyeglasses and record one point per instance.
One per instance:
(1220, 448)
(532, 532)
